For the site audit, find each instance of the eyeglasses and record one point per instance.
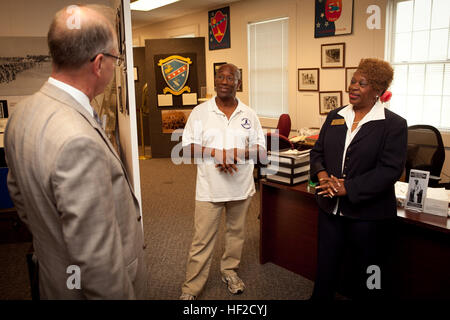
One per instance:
(118, 59)
(230, 79)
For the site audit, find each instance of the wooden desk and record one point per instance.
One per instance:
(288, 238)
(288, 233)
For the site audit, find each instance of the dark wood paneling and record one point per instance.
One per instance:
(161, 142)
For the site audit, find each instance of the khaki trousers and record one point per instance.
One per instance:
(206, 221)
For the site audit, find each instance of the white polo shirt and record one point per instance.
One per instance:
(209, 127)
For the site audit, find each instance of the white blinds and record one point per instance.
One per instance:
(268, 67)
(420, 55)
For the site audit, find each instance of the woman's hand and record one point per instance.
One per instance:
(331, 186)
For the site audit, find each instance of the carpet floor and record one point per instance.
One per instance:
(168, 193)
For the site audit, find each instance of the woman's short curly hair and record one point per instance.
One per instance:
(378, 73)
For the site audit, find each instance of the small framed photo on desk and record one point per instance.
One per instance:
(417, 189)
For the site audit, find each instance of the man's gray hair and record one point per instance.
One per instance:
(78, 33)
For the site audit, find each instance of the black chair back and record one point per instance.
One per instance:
(425, 152)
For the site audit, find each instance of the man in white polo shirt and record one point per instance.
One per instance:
(225, 138)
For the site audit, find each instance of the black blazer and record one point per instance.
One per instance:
(374, 161)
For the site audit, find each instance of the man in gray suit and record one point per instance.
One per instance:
(66, 180)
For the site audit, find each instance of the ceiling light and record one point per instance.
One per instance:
(147, 5)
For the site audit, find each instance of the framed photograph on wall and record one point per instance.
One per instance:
(217, 66)
(120, 29)
(3, 108)
(348, 76)
(333, 55)
(308, 79)
(329, 100)
(333, 18)
(219, 28)
(239, 88)
(172, 120)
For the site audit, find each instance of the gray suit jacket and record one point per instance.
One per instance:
(71, 189)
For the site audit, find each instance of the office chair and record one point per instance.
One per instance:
(425, 152)
(281, 133)
(284, 125)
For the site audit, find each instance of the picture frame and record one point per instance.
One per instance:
(120, 30)
(333, 55)
(172, 120)
(219, 28)
(417, 189)
(25, 65)
(3, 108)
(348, 76)
(308, 79)
(136, 74)
(217, 66)
(239, 88)
(329, 100)
(333, 18)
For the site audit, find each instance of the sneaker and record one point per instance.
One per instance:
(187, 296)
(235, 284)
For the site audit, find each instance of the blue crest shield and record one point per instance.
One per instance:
(175, 73)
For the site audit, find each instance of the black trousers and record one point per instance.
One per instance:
(369, 244)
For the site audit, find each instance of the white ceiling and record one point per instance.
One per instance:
(174, 10)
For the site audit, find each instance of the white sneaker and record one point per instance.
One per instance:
(187, 296)
(234, 283)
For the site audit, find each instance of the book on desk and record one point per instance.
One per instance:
(288, 166)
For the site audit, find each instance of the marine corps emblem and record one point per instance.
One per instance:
(175, 71)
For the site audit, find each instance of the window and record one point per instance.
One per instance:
(420, 55)
(268, 63)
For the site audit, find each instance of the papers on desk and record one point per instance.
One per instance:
(400, 192)
(289, 152)
(436, 201)
(297, 139)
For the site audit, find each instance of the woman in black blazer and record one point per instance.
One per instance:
(360, 154)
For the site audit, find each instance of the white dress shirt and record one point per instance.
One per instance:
(78, 95)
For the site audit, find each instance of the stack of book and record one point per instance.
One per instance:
(288, 166)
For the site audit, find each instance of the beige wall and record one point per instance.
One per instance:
(31, 18)
(304, 50)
